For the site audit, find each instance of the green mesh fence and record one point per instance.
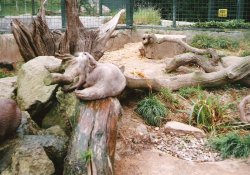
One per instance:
(144, 13)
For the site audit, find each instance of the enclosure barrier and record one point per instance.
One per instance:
(139, 13)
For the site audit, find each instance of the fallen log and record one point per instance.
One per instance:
(92, 146)
(233, 73)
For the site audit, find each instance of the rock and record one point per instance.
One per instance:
(46, 151)
(27, 126)
(164, 49)
(32, 94)
(56, 131)
(7, 87)
(31, 159)
(182, 129)
(63, 113)
(141, 129)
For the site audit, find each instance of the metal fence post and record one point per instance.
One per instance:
(240, 9)
(33, 7)
(210, 10)
(100, 7)
(63, 13)
(174, 13)
(129, 13)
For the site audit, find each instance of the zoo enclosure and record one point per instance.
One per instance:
(143, 13)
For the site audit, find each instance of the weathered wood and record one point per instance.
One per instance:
(153, 44)
(233, 73)
(95, 133)
(37, 40)
(244, 109)
(191, 58)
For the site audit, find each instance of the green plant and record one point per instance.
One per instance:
(229, 24)
(231, 144)
(188, 92)
(4, 74)
(205, 41)
(152, 110)
(206, 112)
(245, 53)
(167, 95)
(87, 156)
(147, 15)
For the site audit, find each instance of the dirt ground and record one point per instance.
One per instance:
(135, 154)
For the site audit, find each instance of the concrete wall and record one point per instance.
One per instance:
(9, 52)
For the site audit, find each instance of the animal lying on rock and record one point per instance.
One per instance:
(95, 80)
(10, 117)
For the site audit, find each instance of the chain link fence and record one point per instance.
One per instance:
(139, 13)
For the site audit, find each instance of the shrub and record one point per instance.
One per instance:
(152, 110)
(229, 24)
(205, 41)
(4, 74)
(147, 16)
(245, 53)
(190, 91)
(206, 112)
(87, 155)
(231, 144)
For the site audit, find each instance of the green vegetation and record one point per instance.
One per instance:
(167, 95)
(245, 53)
(206, 112)
(152, 110)
(87, 156)
(147, 16)
(206, 41)
(14, 7)
(4, 74)
(231, 144)
(229, 24)
(188, 92)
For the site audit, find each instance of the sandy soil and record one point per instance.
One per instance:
(135, 155)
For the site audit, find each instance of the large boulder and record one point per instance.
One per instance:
(7, 87)
(32, 94)
(34, 154)
(64, 112)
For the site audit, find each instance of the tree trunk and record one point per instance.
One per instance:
(236, 72)
(37, 40)
(92, 147)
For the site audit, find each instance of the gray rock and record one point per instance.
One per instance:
(27, 126)
(7, 87)
(31, 159)
(64, 113)
(141, 129)
(32, 94)
(178, 128)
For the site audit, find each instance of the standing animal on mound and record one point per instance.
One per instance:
(10, 117)
(91, 80)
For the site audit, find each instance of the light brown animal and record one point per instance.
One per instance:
(10, 117)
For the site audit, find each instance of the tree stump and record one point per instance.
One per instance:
(92, 146)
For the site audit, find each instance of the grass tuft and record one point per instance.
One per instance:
(167, 95)
(147, 16)
(204, 41)
(188, 92)
(152, 110)
(206, 112)
(231, 144)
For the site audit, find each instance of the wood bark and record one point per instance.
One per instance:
(95, 133)
(244, 109)
(236, 72)
(36, 39)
